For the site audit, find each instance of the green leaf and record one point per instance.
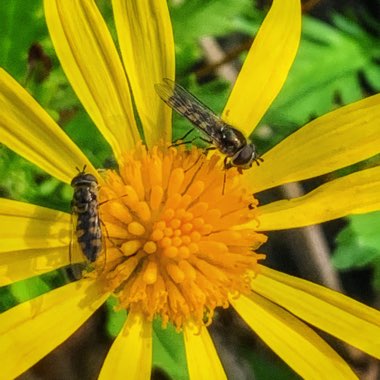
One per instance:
(193, 19)
(372, 74)
(85, 134)
(169, 351)
(358, 244)
(29, 288)
(326, 73)
(7, 299)
(376, 276)
(22, 23)
(196, 18)
(115, 319)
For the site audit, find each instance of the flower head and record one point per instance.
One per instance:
(175, 245)
(172, 247)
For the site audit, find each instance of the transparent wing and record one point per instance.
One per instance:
(189, 106)
(75, 251)
(76, 258)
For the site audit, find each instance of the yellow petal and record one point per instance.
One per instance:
(29, 131)
(266, 67)
(34, 240)
(202, 359)
(356, 193)
(298, 345)
(330, 311)
(32, 329)
(337, 139)
(130, 356)
(20, 265)
(146, 42)
(27, 226)
(92, 65)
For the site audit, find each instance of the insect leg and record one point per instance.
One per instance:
(195, 174)
(258, 160)
(105, 245)
(226, 167)
(184, 142)
(206, 150)
(114, 245)
(183, 137)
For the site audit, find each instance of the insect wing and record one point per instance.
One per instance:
(189, 106)
(75, 251)
(74, 271)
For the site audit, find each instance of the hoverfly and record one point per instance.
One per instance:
(85, 207)
(239, 151)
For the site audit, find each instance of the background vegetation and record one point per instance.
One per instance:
(338, 63)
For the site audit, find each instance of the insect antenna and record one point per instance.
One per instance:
(83, 169)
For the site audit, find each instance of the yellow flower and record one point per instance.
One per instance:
(175, 246)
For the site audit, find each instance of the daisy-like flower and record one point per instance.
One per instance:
(175, 247)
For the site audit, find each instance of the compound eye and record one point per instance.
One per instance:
(245, 156)
(83, 179)
(90, 178)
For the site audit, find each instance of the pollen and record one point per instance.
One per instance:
(172, 249)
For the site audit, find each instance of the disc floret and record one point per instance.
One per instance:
(173, 249)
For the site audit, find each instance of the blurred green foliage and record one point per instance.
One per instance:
(337, 63)
(115, 318)
(329, 71)
(21, 25)
(169, 351)
(333, 61)
(358, 245)
(193, 19)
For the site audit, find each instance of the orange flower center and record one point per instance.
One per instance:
(173, 248)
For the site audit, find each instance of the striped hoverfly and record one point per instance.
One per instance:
(238, 150)
(85, 208)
